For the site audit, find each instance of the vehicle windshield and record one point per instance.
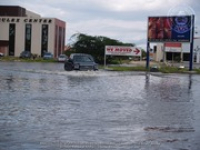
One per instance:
(82, 58)
(62, 56)
(47, 54)
(25, 52)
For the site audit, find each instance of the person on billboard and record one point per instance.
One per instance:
(159, 28)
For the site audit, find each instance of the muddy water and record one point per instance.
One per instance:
(42, 107)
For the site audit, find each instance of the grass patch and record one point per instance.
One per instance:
(26, 59)
(197, 71)
(123, 68)
(172, 70)
(163, 69)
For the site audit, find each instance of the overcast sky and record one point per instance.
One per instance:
(123, 20)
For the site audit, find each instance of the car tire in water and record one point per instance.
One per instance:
(68, 66)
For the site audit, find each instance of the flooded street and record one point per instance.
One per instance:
(43, 107)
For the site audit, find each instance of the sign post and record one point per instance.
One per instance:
(191, 43)
(121, 51)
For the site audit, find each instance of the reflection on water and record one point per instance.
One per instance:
(190, 81)
(44, 107)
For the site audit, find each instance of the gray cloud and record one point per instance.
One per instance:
(123, 20)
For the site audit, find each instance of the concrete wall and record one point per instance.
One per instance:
(4, 31)
(159, 52)
(19, 39)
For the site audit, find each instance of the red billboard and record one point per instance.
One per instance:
(169, 29)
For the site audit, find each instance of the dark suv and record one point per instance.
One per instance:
(80, 61)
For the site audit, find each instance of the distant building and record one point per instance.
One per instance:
(173, 51)
(22, 30)
(67, 48)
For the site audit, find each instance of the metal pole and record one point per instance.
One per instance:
(147, 58)
(105, 58)
(191, 43)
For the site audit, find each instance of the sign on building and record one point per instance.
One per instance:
(173, 47)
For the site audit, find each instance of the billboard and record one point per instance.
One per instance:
(122, 51)
(169, 29)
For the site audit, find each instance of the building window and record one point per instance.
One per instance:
(60, 41)
(12, 40)
(63, 37)
(28, 37)
(56, 41)
(44, 41)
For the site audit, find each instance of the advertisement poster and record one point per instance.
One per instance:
(169, 29)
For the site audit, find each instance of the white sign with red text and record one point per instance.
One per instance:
(122, 51)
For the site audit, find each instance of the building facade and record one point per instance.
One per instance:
(23, 30)
(175, 51)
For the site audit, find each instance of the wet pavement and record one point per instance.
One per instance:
(43, 107)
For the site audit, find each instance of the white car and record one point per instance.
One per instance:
(62, 58)
(1, 54)
(48, 55)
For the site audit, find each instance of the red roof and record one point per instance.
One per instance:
(172, 44)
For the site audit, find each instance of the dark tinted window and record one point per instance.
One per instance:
(44, 38)
(82, 58)
(28, 37)
(11, 39)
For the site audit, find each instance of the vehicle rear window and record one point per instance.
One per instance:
(82, 58)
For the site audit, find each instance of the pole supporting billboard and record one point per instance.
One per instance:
(147, 58)
(191, 43)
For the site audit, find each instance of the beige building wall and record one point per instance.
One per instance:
(4, 28)
(19, 38)
(51, 39)
(36, 39)
(35, 33)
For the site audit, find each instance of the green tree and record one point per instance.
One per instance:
(144, 53)
(94, 45)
